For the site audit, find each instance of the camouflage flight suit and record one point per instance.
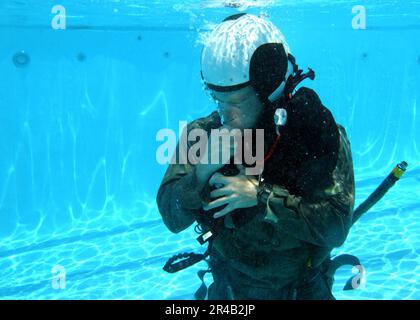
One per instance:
(283, 251)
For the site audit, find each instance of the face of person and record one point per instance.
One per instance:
(239, 109)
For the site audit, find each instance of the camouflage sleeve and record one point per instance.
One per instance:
(326, 218)
(179, 195)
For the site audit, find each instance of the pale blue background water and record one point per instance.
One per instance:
(78, 174)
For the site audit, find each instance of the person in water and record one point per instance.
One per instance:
(274, 231)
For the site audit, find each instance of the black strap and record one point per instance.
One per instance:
(201, 292)
(189, 259)
(342, 260)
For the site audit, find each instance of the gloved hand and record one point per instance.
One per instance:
(235, 192)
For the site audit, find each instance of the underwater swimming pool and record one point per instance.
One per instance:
(80, 108)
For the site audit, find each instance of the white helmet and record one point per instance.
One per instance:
(247, 50)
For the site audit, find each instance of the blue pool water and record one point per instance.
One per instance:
(79, 113)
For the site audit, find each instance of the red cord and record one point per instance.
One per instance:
(273, 147)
